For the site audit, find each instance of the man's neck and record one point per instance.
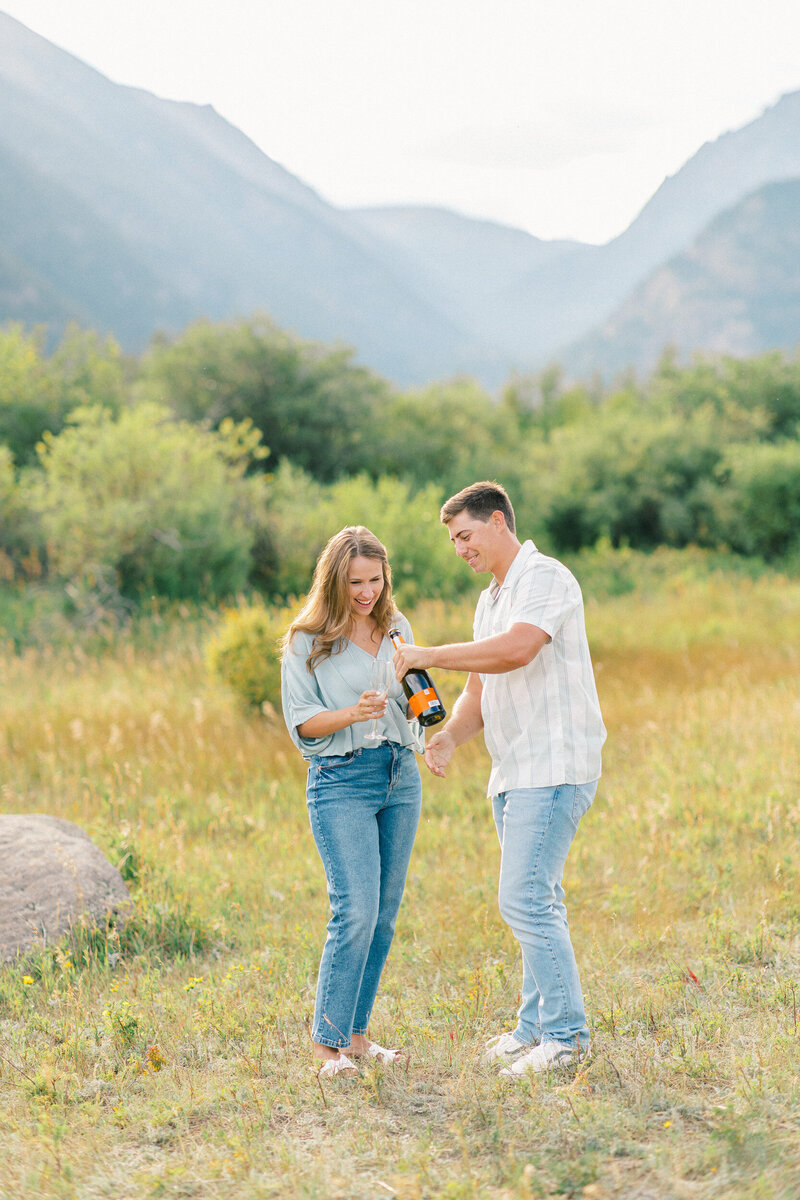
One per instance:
(508, 552)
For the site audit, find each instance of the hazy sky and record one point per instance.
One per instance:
(560, 118)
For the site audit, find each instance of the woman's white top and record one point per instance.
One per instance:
(337, 682)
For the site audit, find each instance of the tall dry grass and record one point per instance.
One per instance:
(173, 1059)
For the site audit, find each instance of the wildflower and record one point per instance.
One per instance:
(27, 980)
(155, 1058)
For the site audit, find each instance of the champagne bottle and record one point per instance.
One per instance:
(423, 699)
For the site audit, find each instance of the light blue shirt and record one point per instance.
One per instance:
(337, 682)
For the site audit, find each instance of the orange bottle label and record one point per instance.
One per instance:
(422, 700)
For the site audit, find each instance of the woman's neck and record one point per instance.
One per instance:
(364, 630)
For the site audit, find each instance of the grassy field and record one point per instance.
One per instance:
(173, 1059)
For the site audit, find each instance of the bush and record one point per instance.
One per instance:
(294, 532)
(449, 434)
(302, 515)
(19, 531)
(159, 505)
(758, 506)
(634, 476)
(28, 404)
(37, 393)
(244, 654)
(312, 403)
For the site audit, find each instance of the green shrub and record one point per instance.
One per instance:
(448, 434)
(294, 532)
(312, 403)
(245, 655)
(302, 514)
(406, 519)
(37, 393)
(9, 504)
(153, 504)
(758, 505)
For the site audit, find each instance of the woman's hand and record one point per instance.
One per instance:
(370, 704)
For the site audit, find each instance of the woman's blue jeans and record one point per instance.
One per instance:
(536, 827)
(364, 809)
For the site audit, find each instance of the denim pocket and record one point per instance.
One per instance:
(582, 801)
(329, 765)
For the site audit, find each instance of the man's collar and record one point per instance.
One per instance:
(525, 552)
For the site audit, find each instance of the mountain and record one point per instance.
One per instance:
(565, 298)
(735, 291)
(166, 212)
(533, 299)
(72, 265)
(134, 214)
(467, 263)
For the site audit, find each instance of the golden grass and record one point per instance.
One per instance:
(175, 1062)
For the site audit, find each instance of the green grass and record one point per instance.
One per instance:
(171, 1058)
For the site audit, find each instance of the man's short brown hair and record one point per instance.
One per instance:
(480, 500)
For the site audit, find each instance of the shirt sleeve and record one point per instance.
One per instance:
(300, 694)
(545, 596)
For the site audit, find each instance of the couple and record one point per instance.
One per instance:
(530, 689)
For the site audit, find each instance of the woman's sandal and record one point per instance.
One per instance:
(382, 1055)
(334, 1066)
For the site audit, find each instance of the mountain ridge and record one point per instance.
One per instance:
(208, 214)
(151, 213)
(729, 292)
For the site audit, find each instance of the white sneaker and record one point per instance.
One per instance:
(505, 1048)
(544, 1057)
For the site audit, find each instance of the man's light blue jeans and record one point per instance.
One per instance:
(364, 810)
(536, 827)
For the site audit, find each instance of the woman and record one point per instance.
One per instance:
(363, 796)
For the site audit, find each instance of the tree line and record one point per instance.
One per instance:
(222, 459)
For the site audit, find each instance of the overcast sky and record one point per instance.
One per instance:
(562, 119)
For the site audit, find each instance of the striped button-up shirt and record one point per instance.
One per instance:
(542, 722)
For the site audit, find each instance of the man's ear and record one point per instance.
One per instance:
(498, 519)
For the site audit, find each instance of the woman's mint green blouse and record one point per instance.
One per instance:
(337, 682)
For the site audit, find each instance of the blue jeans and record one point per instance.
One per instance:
(536, 827)
(364, 809)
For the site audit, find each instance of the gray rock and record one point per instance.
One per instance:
(51, 875)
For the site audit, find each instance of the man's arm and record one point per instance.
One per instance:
(507, 651)
(465, 721)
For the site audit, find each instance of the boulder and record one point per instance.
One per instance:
(51, 875)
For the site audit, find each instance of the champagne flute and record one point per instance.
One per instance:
(380, 678)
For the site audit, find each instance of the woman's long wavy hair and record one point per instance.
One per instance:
(327, 611)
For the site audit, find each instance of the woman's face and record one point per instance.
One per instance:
(365, 583)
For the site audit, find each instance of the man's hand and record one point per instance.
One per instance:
(438, 752)
(410, 658)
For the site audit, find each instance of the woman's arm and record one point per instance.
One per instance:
(368, 705)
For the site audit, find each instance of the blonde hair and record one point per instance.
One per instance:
(327, 612)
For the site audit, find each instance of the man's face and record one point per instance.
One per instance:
(476, 541)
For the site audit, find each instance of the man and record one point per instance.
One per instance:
(531, 690)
